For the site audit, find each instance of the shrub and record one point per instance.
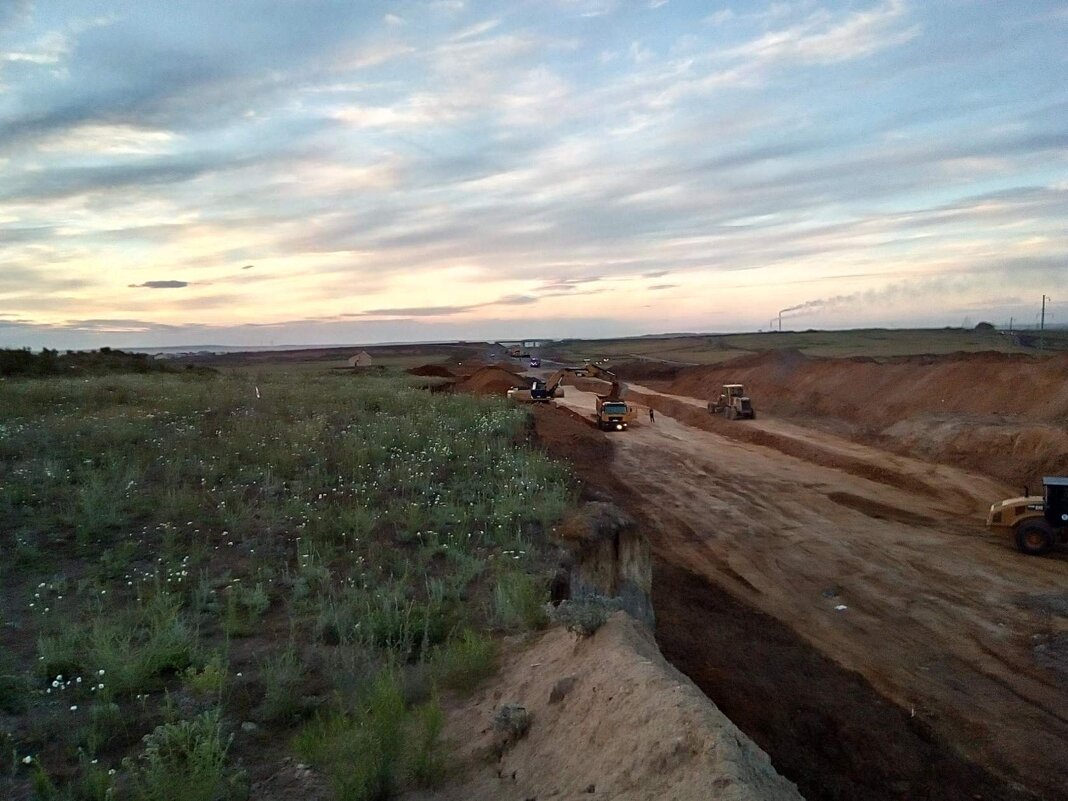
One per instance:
(135, 658)
(585, 615)
(183, 761)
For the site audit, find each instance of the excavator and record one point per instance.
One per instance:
(541, 390)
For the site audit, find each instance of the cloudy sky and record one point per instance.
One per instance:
(303, 171)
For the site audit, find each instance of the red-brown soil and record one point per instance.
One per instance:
(1003, 414)
(610, 718)
(845, 604)
(489, 381)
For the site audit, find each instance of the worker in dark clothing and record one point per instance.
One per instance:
(652, 417)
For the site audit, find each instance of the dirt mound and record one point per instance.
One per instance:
(569, 436)
(472, 366)
(643, 370)
(490, 381)
(610, 718)
(1000, 413)
(432, 371)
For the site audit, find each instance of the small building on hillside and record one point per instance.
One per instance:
(361, 359)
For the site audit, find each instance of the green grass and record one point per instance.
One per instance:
(715, 348)
(178, 539)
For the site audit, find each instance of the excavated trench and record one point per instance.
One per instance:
(824, 727)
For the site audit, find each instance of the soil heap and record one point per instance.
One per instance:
(610, 718)
(1004, 414)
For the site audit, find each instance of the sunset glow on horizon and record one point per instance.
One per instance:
(267, 173)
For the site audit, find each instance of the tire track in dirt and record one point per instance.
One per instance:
(926, 608)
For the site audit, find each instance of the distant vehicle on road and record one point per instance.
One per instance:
(535, 361)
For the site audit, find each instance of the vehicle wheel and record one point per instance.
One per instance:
(752, 415)
(1034, 537)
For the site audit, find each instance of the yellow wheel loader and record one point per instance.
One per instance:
(1038, 522)
(733, 403)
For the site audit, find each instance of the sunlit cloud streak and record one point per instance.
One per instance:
(583, 167)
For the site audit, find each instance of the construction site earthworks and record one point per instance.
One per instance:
(824, 573)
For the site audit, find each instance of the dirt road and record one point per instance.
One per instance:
(880, 562)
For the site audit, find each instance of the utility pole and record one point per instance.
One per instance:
(780, 322)
(1042, 326)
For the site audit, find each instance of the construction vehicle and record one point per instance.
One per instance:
(1038, 522)
(613, 414)
(541, 390)
(595, 370)
(517, 351)
(733, 403)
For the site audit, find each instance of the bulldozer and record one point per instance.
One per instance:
(1038, 522)
(733, 403)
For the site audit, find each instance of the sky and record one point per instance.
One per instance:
(278, 172)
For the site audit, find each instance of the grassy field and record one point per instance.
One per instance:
(713, 348)
(204, 574)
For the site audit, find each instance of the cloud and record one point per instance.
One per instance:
(352, 160)
(657, 287)
(824, 38)
(444, 311)
(412, 311)
(161, 285)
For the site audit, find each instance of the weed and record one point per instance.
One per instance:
(466, 661)
(183, 761)
(210, 679)
(244, 608)
(362, 753)
(519, 602)
(377, 516)
(14, 687)
(428, 759)
(282, 675)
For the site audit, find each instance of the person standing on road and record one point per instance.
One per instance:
(652, 417)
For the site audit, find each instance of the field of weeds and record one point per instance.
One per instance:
(206, 575)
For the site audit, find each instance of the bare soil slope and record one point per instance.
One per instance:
(881, 563)
(610, 719)
(488, 381)
(1004, 414)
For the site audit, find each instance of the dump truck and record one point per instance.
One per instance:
(1037, 522)
(613, 414)
(733, 403)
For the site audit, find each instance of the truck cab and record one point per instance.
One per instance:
(613, 415)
